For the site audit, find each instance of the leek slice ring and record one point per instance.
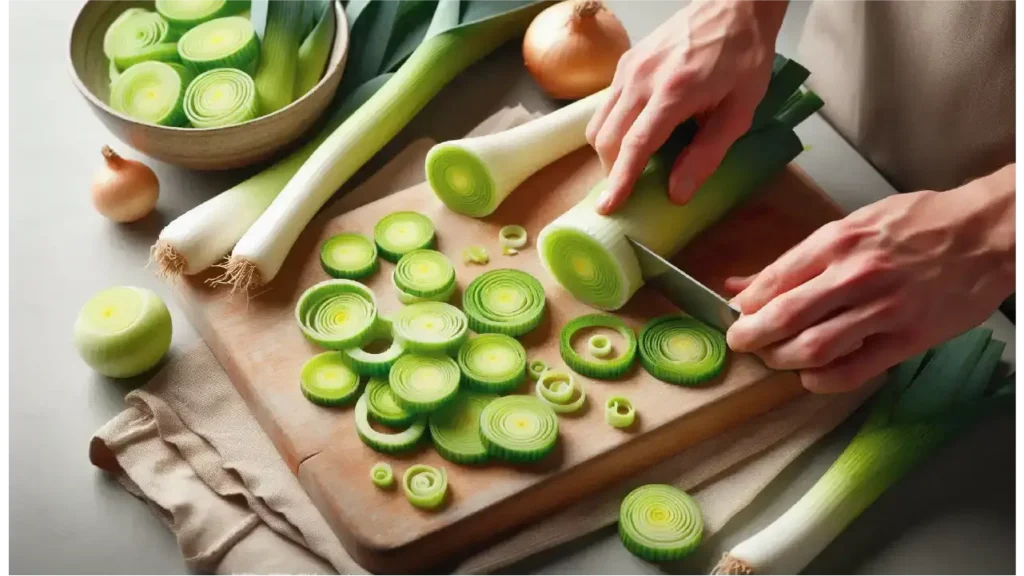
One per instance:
(512, 236)
(184, 14)
(221, 97)
(455, 428)
(599, 346)
(375, 364)
(326, 380)
(430, 327)
(382, 406)
(619, 412)
(536, 368)
(382, 475)
(518, 428)
(504, 301)
(336, 314)
(682, 350)
(557, 389)
(422, 383)
(387, 443)
(228, 42)
(493, 363)
(600, 368)
(135, 33)
(350, 255)
(475, 254)
(424, 274)
(425, 486)
(152, 92)
(402, 232)
(660, 523)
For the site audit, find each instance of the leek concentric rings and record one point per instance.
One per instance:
(430, 327)
(455, 428)
(660, 523)
(184, 14)
(382, 406)
(493, 363)
(375, 364)
(619, 412)
(123, 331)
(423, 383)
(402, 232)
(382, 476)
(228, 42)
(387, 443)
(561, 392)
(518, 428)
(337, 314)
(350, 256)
(600, 368)
(461, 181)
(682, 350)
(536, 368)
(152, 92)
(584, 266)
(425, 486)
(135, 33)
(221, 97)
(327, 380)
(424, 274)
(599, 346)
(504, 301)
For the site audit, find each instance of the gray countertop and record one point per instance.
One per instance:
(953, 515)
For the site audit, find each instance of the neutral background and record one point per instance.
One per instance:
(953, 515)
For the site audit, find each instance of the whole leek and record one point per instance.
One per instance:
(926, 401)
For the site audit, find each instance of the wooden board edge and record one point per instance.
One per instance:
(462, 537)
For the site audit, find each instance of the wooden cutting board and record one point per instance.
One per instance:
(262, 350)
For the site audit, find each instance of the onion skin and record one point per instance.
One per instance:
(571, 49)
(124, 190)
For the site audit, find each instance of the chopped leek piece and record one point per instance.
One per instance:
(599, 346)
(561, 392)
(382, 476)
(475, 255)
(137, 35)
(660, 523)
(430, 327)
(152, 92)
(600, 368)
(518, 428)
(512, 237)
(184, 14)
(382, 406)
(375, 363)
(402, 232)
(350, 255)
(425, 486)
(328, 381)
(682, 350)
(123, 331)
(619, 412)
(536, 367)
(423, 383)
(337, 314)
(455, 428)
(504, 301)
(220, 97)
(493, 363)
(398, 442)
(424, 274)
(228, 42)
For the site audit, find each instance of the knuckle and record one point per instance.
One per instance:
(604, 142)
(814, 348)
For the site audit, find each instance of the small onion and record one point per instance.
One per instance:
(124, 190)
(571, 49)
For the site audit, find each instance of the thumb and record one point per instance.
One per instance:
(701, 158)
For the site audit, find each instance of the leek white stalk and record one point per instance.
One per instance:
(472, 176)
(258, 256)
(201, 237)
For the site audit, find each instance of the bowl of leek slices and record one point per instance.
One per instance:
(209, 84)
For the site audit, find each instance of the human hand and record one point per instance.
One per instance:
(887, 282)
(713, 60)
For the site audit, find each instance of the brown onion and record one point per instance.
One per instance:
(571, 49)
(124, 190)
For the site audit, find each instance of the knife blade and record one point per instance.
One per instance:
(684, 290)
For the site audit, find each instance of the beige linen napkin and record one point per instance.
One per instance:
(188, 446)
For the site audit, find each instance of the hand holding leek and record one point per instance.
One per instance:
(888, 281)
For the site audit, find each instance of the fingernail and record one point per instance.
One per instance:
(682, 189)
(603, 201)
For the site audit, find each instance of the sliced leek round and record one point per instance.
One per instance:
(512, 236)
(682, 350)
(184, 14)
(327, 380)
(423, 383)
(382, 476)
(424, 274)
(518, 428)
(455, 428)
(425, 486)
(382, 406)
(430, 327)
(152, 92)
(599, 346)
(660, 523)
(383, 442)
(138, 35)
(375, 364)
(401, 232)
(228, 42)
(123, 331)
(337, 314)
(608, 368)
(536, 367)
(504, 301)
(619, 412)
(221, 97)
(561, 392)
(493, 363)
(350, 255)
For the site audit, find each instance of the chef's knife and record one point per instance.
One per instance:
(683, 290)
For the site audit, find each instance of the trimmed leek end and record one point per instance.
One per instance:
(504, 301)
(152, 92)
(327, 380)
(462, 181)
(123, 331)
(399, 233)
(337, 314)
(619, 412)
(387, 443)
(351, 256)
(561, 392)
(423, 383)
(382, 476)
(455, 428)
(660, 523)
(493, 363)
(608, 368)
(222, 43)
(277, 70)
(221, 97)
(682, 350)
(519, 428)
(425, 486)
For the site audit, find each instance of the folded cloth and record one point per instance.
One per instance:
(188, 446)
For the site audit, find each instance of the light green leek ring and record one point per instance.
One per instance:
(493, 363)
(599, 346)
(660, 523)
(184, 14)
(337, 314)
(166, 52)
(152, 92)
(504, 301)
(455, 428)
(228, 42)
(619, 412)
(382, 406)
(327, 380)
(512, 236)
(382, 476)
(424, 274)
(430, 327)
(600, 368)
(461, 181)
(425, 486)
(375, 364)
(135, 32)
(682, 350)
(402, 232)
(349, 255)
(536, 368)
(403, 441)
(422, 383)
(561, 392)
(518, 428)
(221, 97)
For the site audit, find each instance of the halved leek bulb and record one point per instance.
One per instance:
(123, 331)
